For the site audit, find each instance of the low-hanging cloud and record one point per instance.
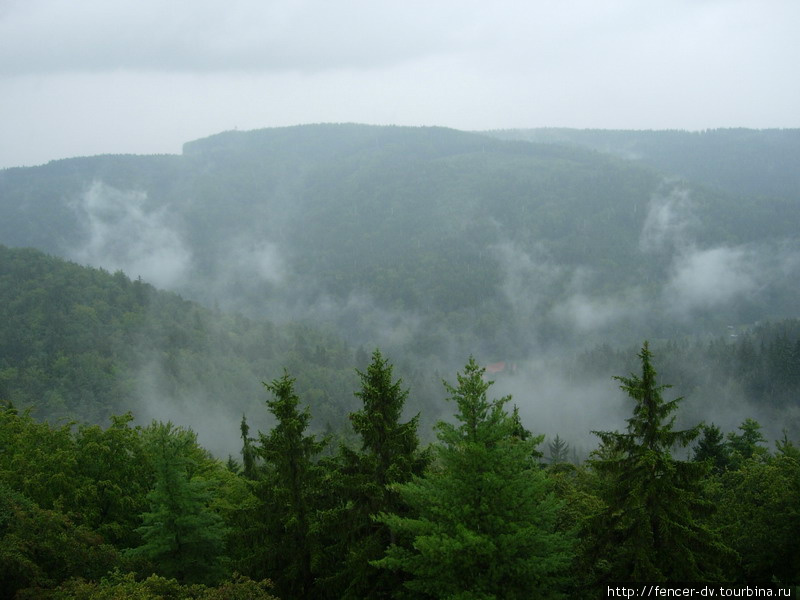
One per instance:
(527, 277)
(123, 233)
(712, 277)
(586, 313)
(669, 221)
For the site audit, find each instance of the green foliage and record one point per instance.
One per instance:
(653, 527)
(745, 445)
(359, 486)
(559, 451)
(712, 449)
(156, 587)
(182, 537)
(82, 344)
(742, 161)
(41, 547)
(279, 543)
(420, 219)
(759, 517)
(482, 521)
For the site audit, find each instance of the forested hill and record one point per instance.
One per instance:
(428, 240)
(81, 343)
(740, 161)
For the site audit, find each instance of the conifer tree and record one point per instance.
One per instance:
(559, 450)
(248, 453)
(483, 517)
(389, 454)
(712, 449)
(747, 444)
(284, 547)
(652, 528)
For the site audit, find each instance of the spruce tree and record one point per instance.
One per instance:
(248, 453)
(283, 542)
(652, 528)
(712, 449)
(389, 454)
(747, 445)
(483, 517)
(559, 451)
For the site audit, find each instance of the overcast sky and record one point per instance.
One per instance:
(84, 77)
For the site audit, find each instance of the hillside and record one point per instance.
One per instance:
(742, 162)
(81, 343)
(430, 241)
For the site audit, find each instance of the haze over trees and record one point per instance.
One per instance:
(352, 269)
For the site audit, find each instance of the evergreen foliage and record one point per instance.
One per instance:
(248, 452)
(747, 444)
(282, 541)
(712, 449)
(653, 527)
(389, 454)
(482, 521)
(559, 450)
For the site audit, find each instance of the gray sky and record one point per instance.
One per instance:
(83, 77)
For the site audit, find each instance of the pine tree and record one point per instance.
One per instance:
(652, 528)
(483, 517)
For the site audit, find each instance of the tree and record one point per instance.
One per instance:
(248, 453)
(40, 548)
(652, 528)
(182, 537)
(389, 454)
(712, 449)
(116, 478)
(746, 445)
(758, 511)
(282, 545)
(559, 450)
(483, 517)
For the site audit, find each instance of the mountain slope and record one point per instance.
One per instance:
(80, 343)
(432, 240)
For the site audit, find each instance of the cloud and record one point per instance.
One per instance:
(527, 277)
(553, 399)
(209, 35)
(699, 277)
(122, 233)
(585, 314)
(96, 76)
(252, 260)
(669, 222)
(712, 277)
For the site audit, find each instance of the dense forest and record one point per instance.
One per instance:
(485, 511)
(193, 405)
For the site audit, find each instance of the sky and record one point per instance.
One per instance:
(87, 77)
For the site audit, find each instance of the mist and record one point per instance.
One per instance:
(123, 231)
(314, 239)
